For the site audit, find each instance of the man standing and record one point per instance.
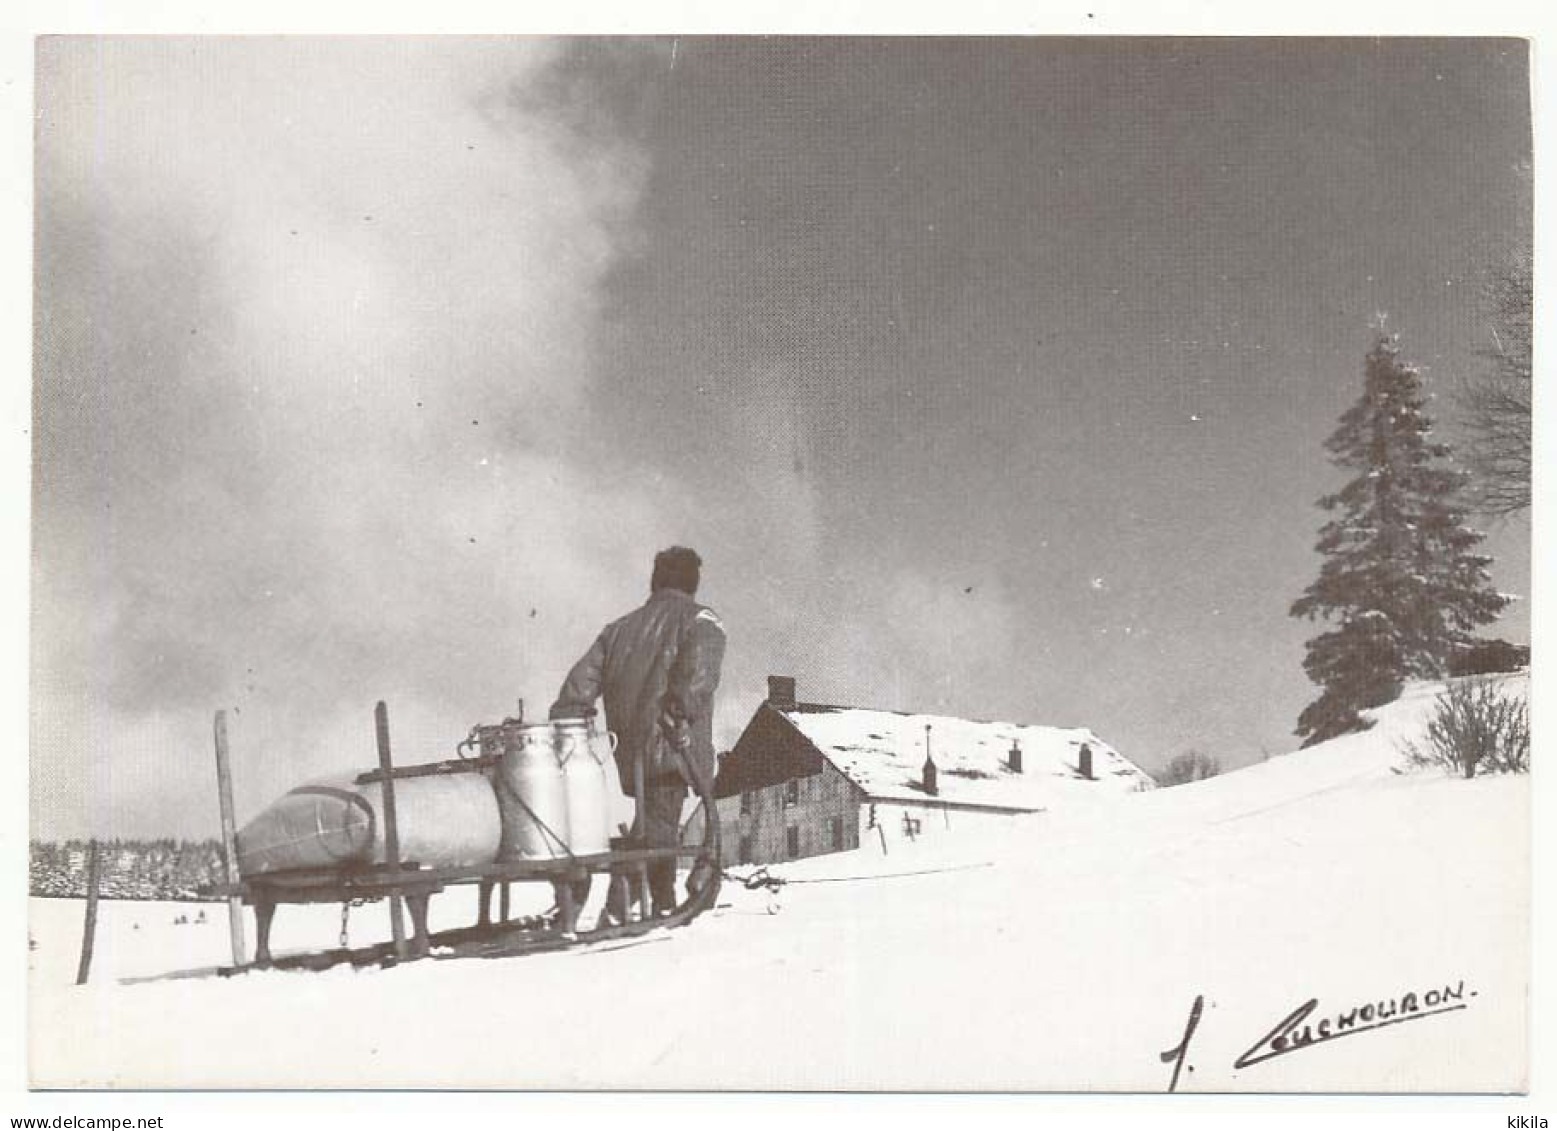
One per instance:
(657, 669)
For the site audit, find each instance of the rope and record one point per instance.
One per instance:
(756, 880)
(762, 878)
(544, 827)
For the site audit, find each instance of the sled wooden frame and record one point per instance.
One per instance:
(628, 861)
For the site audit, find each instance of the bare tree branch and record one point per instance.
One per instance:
(1495, 405)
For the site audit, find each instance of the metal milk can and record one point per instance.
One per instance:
(532, 796)
(583, 753)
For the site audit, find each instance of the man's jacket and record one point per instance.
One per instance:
(660, 661)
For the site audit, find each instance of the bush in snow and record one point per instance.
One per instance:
(1190, 766)
(1476, 726)
(1486, 656)
(1401, 583)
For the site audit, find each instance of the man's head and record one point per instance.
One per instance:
(676, 568)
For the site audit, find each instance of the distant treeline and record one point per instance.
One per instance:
(127, 869)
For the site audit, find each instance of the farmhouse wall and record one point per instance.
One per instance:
(805, 816)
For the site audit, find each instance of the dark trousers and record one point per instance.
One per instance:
(662, 802)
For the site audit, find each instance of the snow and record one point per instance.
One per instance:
(1057, 951)
(883, 752)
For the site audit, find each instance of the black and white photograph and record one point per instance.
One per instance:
(781, 563)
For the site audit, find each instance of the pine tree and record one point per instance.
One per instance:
(1400, 580)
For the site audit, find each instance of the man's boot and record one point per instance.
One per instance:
(662, 888)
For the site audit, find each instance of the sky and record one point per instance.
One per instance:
(989, 377)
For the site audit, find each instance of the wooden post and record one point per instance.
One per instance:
(264, 915)
(89, 928)
(229, 840)
(421, 944)
(391, 829)
(484, 901)
(567, 910)
(640, 797)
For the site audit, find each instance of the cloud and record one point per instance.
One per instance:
(314, 407)
(856, 624)
(917, 639)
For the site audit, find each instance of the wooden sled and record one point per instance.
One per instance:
(412, 886)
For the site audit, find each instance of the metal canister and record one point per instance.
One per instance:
(532, 796)
(582, 752)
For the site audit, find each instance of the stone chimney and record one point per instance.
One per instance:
(781, 692)
(1014, 759)
(1086, 761)
(930, 785)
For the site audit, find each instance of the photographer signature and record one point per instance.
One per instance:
(1300, 1030)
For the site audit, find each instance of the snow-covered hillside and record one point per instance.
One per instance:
(1063, 953)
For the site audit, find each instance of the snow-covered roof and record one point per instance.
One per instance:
(883, 753)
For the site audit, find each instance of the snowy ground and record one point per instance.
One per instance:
(1062, 954)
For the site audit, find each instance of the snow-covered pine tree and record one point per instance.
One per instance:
(1400, 581)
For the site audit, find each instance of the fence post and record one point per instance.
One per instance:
(229, 840)
(391, 826)
(89, 927)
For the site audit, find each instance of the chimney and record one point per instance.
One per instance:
(1014, 760)
(1086, 761)
(930, 785)
(781, 692)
